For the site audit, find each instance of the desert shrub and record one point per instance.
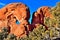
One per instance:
(3, 33)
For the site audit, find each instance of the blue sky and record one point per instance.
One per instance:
(32, 4)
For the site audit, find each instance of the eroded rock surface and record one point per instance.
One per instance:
(38, 16)
(13, 12)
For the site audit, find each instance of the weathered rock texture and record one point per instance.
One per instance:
(13, 12)
(20, 12)
(38, 16)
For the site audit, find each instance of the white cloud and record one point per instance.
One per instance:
(2, 3)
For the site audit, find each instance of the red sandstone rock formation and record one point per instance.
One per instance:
(3, 20)
(18, 11)
(38, 16)
(13, 12)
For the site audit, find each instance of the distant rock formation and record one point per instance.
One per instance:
(38, 16)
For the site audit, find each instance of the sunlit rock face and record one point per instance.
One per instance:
(15, 12)
(19, 12)
(3, 20)
(15, 17)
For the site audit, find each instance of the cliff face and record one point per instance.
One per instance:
(20, 12)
